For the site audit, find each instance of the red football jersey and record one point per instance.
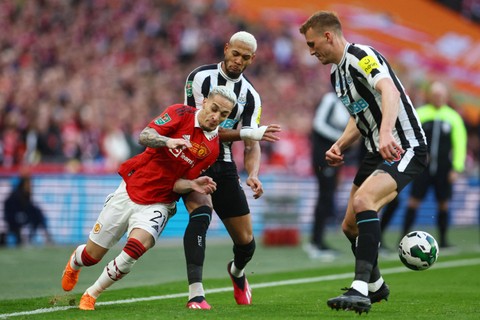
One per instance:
(151, 175)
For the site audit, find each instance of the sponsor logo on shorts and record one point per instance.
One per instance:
(397, 158)
(97, 227)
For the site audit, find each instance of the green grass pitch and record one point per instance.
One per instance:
(286, 284)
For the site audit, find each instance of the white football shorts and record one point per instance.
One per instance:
(120, 214)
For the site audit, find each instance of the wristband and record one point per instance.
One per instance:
(253, 134)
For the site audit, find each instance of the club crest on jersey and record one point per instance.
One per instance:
(163, 119)
(242, 99)
(200, 150)
(367, 64)
(97, 227)
(189, 88)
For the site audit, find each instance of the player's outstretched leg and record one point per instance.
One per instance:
(351, 300)
(70, 275)
(87, 302)
(194, 244)
(79, 258)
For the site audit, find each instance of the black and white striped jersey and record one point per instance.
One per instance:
(247, 110)
(354, 80)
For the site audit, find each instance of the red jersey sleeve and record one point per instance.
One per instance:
(168, 121)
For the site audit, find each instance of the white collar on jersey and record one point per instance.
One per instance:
(209, 134)
(220, 70)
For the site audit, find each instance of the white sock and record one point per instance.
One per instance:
(195, 290)
(115, 270)
(374, 286)
(236, 272)
(76, 263)
(360, 286)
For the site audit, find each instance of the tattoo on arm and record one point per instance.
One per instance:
(149, 137)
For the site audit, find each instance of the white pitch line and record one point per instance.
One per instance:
(438, 265)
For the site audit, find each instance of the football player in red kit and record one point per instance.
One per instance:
(180, 144)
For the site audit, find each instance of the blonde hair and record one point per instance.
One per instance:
(245, 37)
(224, 92)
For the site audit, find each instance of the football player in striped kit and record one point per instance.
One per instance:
(229, 201)
(383, 114)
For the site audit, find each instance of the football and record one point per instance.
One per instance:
(418, 250)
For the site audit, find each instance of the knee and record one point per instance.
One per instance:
(361, 202)
(194, 201)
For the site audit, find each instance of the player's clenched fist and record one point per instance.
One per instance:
(334, 156)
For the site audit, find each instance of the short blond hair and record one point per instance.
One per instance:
(321, 21)
(224, 92)
(246, 38)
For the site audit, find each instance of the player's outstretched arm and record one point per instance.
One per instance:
(263, 133)
(203, 185)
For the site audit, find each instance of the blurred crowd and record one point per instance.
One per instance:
(79, 79)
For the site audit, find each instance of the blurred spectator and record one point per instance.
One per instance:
(20, 211)
(447, 143)
(70, 70)
(470, 9)
(330, 120)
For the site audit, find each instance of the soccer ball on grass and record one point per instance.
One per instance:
(418, 250)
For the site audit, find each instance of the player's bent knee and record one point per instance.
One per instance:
(202, 214)
(195, 200)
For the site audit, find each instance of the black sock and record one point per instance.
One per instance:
(410, 216)
(242, 254)
(442, 221)
(367, 244)
(194, 243)
(375, 275)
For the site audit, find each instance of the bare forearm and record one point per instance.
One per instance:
(390, 104)
(349, 136)
(183, 186)
(228, 135)
(252, 156)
